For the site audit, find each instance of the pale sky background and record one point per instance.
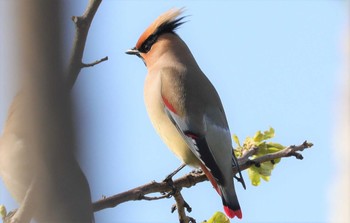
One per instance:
(274, 63)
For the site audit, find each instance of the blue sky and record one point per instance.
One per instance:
(274, 63)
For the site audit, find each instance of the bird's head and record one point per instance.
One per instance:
(166, 23)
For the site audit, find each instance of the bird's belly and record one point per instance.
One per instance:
(168, 132)
(174, 141)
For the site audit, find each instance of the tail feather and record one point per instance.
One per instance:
(231, 213)
(230, 201)
(228, 195)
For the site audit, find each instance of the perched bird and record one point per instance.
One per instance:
(184, 107)
(47, 184)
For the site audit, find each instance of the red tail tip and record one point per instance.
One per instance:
(231, 213)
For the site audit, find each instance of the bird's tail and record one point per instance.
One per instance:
(228, 195)
(230, 201)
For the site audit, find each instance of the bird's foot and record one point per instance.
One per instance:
(170, 183)
(171, 175)
(186, 206)
(252, 162)
(197, 171)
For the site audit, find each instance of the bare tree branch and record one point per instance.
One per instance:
(82, 25)
(192, 178)
(94, 63)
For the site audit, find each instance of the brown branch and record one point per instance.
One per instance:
(192, 178)
(82, 25)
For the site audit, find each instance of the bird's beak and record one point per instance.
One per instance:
(136, 52)
(133, 51)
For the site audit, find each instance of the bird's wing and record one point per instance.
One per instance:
(217, 160)
(198, 144)
(203, 126)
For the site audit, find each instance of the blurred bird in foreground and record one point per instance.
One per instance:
(47, 183)
(37, 146)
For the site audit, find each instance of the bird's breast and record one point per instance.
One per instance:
(161, 122)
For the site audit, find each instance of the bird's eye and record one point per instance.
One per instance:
(147, 45)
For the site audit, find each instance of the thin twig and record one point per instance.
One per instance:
(83, 65)
(287, 152)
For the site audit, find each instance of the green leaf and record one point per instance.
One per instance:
(277, 160)
(236, 140)
(276, 145)
(269, 134)
(3, 211)
(266, 178)
(238, 152)
(218, 217)
(254, 175)
(270, 149)
(264, 147)
(266, 168)
(258, 137)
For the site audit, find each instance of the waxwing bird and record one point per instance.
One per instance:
(185, 108)
(48, 188)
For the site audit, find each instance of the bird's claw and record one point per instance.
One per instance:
(197, 171)
(169, 181)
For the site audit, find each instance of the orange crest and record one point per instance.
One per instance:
(169, 17)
